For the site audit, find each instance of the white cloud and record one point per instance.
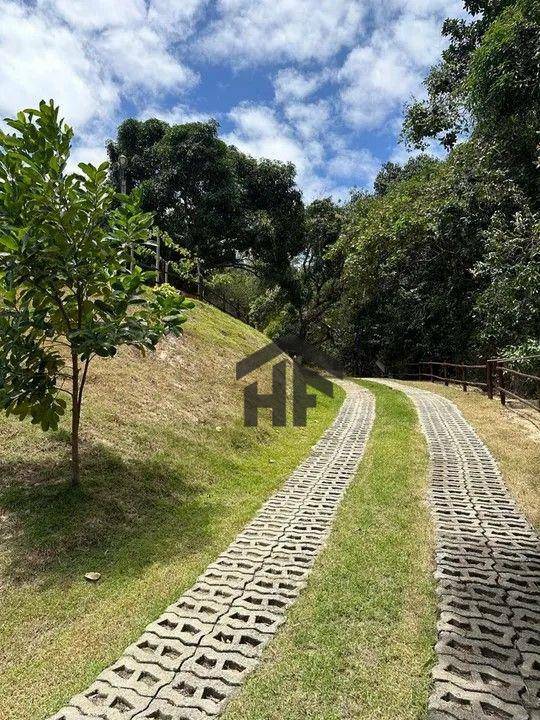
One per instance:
(171, 17)
(375, 79)
(98, 14)
(291, 84)
(309, 119)
(258, 132)
(177, 115)
(256, 31)
(380, 75)
(94, 154)
(419, 39)
(42, 61)
(88, 57)
(138, 57)
(175, 17)
(322, 163)
(354, 163)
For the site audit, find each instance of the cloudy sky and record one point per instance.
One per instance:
(319, 82)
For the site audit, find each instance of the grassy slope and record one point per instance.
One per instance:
(170, 476)
(513, 438)
(358, 643)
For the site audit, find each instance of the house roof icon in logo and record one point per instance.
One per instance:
(302, 378)
(295, 347)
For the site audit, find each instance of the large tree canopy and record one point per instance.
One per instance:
(186, 177)
(414, 259)
(226, 208)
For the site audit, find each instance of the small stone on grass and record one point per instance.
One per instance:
(92, 576)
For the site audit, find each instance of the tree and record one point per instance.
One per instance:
(445, 114)
(226, 208)
(415, 270)
(273, 217)
(318, 275)
(66, 292)
(301, 288)
(509, 306)
(186, 178)
(392, 172)
(503, 87)
(487, 84)
(388, 174)
(238, 288)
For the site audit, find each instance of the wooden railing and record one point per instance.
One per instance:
(506, 381)
(494, 377)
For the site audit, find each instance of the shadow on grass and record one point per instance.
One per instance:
(124, 516)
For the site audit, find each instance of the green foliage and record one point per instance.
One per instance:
(273, 217)
(503, 86)
(318, 275)
(488, 84)
(166, 292)
(223, 207)
(509, 306)
(389, 173)
(431, 269)
(303, 291)
(238, 287)
(66, 291)
(186, 178)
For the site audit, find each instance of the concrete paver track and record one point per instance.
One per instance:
(488, 577)
(194, 658)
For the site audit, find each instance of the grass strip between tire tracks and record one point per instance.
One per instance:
(359, 641)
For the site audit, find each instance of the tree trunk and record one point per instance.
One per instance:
(75, 421)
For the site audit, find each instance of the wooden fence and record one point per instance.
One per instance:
(494, 377)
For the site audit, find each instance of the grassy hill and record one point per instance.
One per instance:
(169, 476)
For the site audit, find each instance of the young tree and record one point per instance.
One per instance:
(66, 293)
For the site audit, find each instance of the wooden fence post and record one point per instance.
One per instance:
(445, 374)
(464, 377)
(431, 371)
(489, 378)
(500, 376)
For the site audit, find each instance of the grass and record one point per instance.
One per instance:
(170, 475)
(513, 438)
(358, 643)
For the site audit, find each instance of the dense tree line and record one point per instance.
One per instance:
(440, 260)
(443, 261)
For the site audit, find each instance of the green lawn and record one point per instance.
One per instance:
(170, 476)
(358, 643)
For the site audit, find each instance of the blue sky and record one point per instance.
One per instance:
(321, 83)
